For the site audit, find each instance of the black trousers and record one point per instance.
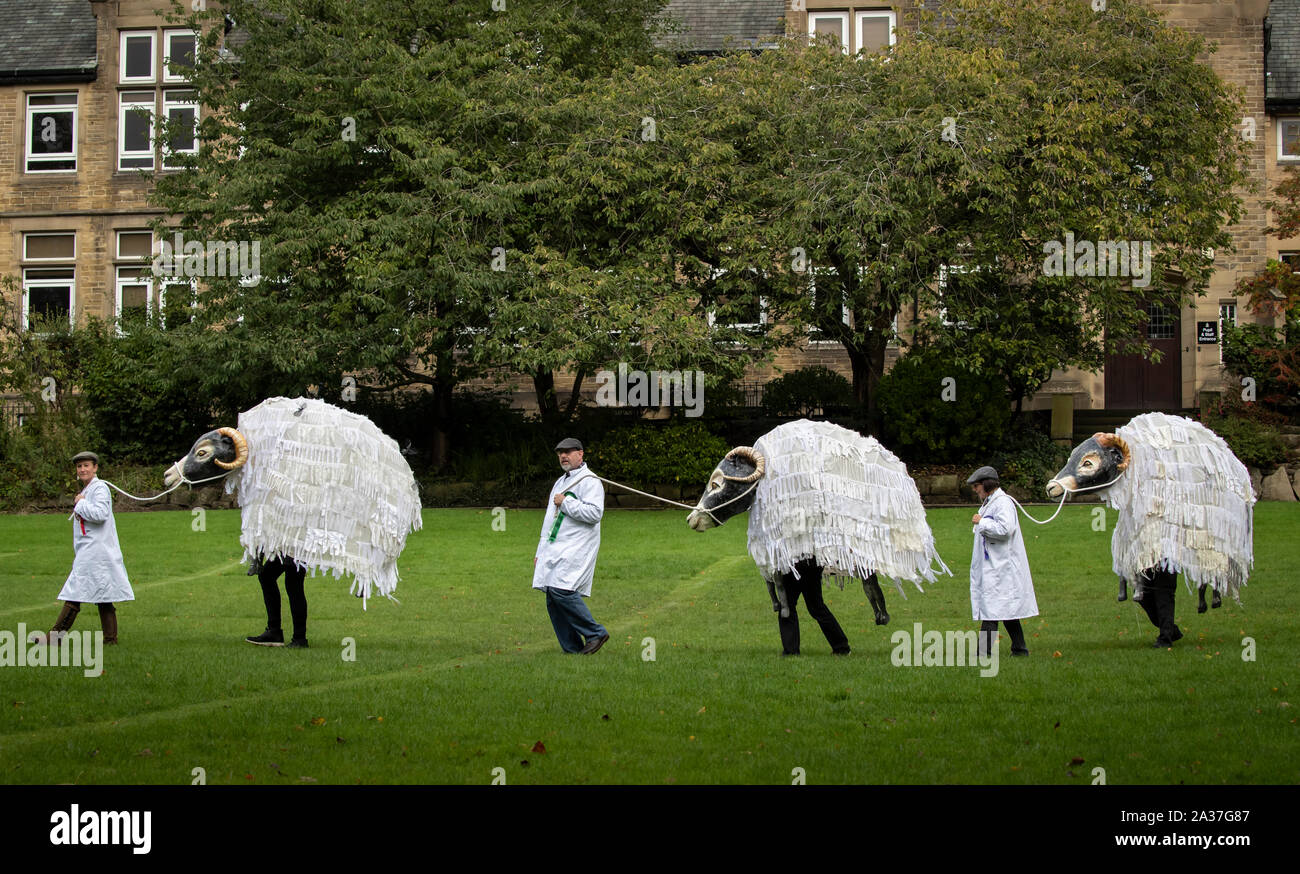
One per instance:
(810, 586)
(1158, 588)
(989, 631)
(294, 576)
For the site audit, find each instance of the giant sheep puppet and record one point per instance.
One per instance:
(316, 483)
(818, 491)
(1185, 506)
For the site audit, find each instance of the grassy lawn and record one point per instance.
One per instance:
(465, 676)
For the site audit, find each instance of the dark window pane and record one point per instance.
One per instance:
(139, 57)
(180, 50)
(47, 301)
(51, 133)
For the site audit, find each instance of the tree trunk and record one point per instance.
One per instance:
(548, 405)
(576, 395)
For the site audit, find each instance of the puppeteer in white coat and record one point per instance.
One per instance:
(567, 560)
(1001, 587)
(98, 572)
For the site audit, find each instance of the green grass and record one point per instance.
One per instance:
(465, 675)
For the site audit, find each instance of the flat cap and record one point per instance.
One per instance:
(568, 443)
(86, 456)
(983, 473)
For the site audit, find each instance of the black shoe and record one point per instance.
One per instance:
(1020, 652)
(268, 638)
(594, 644)
(297, 643)
(844, 651)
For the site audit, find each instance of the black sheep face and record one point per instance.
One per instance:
(214, 454)
(731, 479)
(1095, 461)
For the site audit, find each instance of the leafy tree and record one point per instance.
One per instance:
(427, 184)
(981, 137)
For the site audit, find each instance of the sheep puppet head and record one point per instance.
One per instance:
(317, 484)
(1185, 501)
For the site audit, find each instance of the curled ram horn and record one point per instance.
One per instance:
(754, 457)
(241, 449)
(1116, 442)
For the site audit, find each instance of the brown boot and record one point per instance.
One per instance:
(63, 624)
(108, 619)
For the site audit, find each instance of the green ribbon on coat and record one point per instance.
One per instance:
(559, 517)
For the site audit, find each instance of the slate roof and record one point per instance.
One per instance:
(47, 41)
(716, 25)
(1282, 55)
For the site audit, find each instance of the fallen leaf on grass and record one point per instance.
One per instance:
(339, 740)
(307, 779)
(538, 747)
(145, 752)
(1076, 761)
(605, 717)
(1057, 654)
(318, 720)
(524, 763)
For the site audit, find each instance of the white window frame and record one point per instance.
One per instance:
(944, 270)
(125, 108)
(144, 279)
(168, 105)
(711, 315)
(60, 260)
(70, 283)
(875, 13)
(1227, 316)
(150, 79)
(120, 257)
(193, 285)
(167, 76)
(845, 316)
(1282, 122)
(32, 112)
(815, 15)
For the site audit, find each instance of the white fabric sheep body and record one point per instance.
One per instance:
(840, 498)
(1185, 505)
(327, 488)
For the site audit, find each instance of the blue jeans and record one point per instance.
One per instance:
(571, 619)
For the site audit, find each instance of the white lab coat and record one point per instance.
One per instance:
(569, 562)
(1000, 585)
(98, 574)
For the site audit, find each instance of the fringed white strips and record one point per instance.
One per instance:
(842, 499)
(1185, 504)
(327, 487)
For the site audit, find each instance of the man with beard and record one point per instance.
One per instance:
(565, 561)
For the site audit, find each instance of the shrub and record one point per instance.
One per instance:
(805, 391)
(36, 459)
(1029, 459)
(1266, 356)
(645, 454)
(921, 426)
(1257, 445)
